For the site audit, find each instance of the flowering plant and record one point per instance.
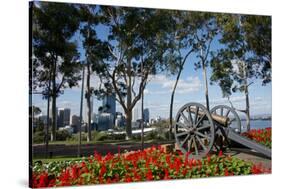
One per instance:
(262, 136)
(150, 164)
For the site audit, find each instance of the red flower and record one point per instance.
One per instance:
(102, 170)
(226, 173)
(149, 175)
(167, 175)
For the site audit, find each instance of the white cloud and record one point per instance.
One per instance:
(188, 85)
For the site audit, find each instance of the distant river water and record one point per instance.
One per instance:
(257, 124)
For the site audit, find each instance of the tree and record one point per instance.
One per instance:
(35, 111)
(257, 31)
(137, 39)
(96, 52)
(258, 35)
(54, 55)
(236, 62)
(193, 33)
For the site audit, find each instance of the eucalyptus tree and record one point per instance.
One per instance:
(257, 31)
(193, 33)
(138, 45)
(54, 55)
(96, 52)
(238, 61)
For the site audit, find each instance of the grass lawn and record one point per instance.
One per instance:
(56, 159)
(66, 158)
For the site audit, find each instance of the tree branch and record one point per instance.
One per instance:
(116, 89)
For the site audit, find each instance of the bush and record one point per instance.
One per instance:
(38, 137)
(102, 136)
(62, 135)
(75, 137)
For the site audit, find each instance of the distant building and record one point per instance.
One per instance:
(109, 104)
(43, 119)
(146, 115)
(66, 117)
(105, 121)
(63, 117)
(60, 118)
(75, 120)
(120, 120)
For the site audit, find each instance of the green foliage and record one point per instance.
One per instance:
(38, 137)
(63, 135)
(53, 26)
(151, 164)
(245, 52)
(98, 136)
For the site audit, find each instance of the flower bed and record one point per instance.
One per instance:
(151, 164)
(262, 136)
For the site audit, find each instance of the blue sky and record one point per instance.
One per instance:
(158, 91)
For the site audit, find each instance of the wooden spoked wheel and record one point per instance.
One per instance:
(234, 121)
(194, 130)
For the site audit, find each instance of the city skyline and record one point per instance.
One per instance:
(158, 100)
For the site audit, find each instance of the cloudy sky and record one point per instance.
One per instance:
(158, 91)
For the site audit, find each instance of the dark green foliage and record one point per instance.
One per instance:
(242, 45)
(53, 26)
(62, 135)
(38, 137)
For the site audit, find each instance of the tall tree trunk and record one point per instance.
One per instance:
(247, 109)
(88, 96)
(54, 106)
(245, 74)
(48, 121)
(142, 122)
(248, 126)
(128, 124)
(129, 104)
(206, 82)
(172, 102)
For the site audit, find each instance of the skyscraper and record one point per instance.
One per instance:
(63, 117)
(146, 115)
(109, 104)
(66, 117)
(60, 118)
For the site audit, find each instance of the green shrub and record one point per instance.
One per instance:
(38, 137)
(62, 135)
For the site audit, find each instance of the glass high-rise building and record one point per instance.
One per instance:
(109, 104)
(63, 117)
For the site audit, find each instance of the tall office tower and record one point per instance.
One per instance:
(109, 104)
(60, 117)
(146, 115)
(105, 121)
(75, 120)
(66, 117)
(63, 117)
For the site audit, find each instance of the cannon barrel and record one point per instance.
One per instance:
(222, 120)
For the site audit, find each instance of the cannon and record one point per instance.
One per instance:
(197, 130)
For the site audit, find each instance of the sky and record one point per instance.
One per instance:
(158, 91)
